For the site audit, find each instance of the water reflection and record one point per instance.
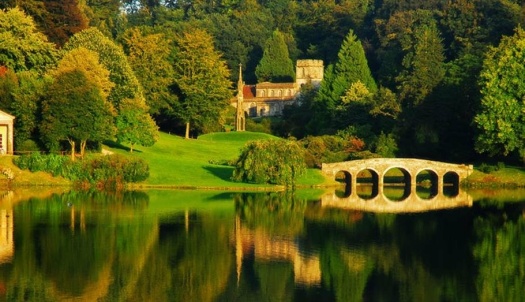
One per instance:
(204, 246)
(389, 200)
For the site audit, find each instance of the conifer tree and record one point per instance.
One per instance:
(275, 65)
(351, 67)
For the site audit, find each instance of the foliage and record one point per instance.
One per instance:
(270, 161)
(275, 65)
(135, 125)
(329, 149)
(263, 125)
(202, 80)
(62, 19)
(148, 55)
(110, 169)
(350, 68)
(112, 57)
(87, 61)
(423, 64)
(22, 47)
(500, 119)
(75, 111)
(386, 145)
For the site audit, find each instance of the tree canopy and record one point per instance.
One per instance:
(275, 65)
(22, 46)
(500, 120)
(201, 76)
(75, 110)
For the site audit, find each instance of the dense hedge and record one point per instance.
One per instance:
(107, 170)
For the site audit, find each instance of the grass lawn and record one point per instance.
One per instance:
(178, 162)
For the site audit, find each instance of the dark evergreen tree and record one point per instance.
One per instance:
(275, 65)
(351, 67)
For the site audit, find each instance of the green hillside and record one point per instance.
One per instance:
(179, 162)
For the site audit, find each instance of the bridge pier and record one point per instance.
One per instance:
(410, 168)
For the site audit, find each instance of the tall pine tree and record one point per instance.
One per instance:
(275, 65)
(351, 67)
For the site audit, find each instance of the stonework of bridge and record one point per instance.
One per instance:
(411, 168)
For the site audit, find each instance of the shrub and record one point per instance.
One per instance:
(136, 170)
(270, 161)
(112, 170)
(28, 145)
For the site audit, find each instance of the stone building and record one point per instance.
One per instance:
(6, 133)
(269, 99)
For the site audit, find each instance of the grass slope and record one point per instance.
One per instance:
(178, 162)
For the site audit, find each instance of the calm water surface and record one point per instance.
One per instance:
(209, 246)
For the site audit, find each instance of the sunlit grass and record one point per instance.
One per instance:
(175, 161)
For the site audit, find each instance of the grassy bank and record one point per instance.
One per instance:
(189, 163)
(176, 162)
(505, 177)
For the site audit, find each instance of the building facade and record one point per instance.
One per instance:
(269, 99)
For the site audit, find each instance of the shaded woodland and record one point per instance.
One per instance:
(430, 79)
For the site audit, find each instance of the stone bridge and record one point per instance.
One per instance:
(410, 168)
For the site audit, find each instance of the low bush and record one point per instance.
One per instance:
(111, 170)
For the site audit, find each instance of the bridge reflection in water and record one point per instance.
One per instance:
(412, 203)
(436, 175)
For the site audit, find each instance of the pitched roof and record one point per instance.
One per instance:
(4, 116)
(276, 85)
(248, 91)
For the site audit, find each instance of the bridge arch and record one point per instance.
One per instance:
(394, 178)
(438, 174)
(369, 181)
(429, 183)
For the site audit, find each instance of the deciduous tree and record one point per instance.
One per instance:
(63, 18)
(22, 47)
(500, 120)
(135, 125)
(87, 61)
(114, 59)
(202, 79)
(148, 55)
(74, 110)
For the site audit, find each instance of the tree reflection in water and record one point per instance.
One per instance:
(204, 246)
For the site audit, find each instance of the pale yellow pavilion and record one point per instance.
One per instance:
(6, 133)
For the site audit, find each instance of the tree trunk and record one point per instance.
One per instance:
(82, 147)
(72, 143)
(187, 130)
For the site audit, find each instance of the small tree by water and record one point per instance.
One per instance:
(270, 161)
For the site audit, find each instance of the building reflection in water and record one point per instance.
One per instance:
(265, 248)
(7, 247)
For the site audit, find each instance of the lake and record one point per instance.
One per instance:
(165, 245)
